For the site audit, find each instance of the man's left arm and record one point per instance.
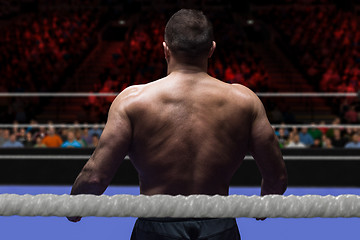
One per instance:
(113, 146)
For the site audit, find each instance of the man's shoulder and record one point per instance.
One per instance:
(134, 92)
(131, 99)
(137, 94)
(246, 97)
(243, 92)
(130, 92)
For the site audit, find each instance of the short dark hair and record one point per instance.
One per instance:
(189, 35)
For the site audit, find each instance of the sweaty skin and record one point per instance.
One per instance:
(185, 134)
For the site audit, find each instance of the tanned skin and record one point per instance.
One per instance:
(185, 134)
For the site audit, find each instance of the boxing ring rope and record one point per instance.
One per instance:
(247, 157)
(57, 94)
(357, 126)
(197, 206)
(54, 125)
(102, 125)
(308, 94)
(113, 94)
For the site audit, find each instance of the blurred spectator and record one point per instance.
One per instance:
(95, 140)
(351, 115)
(330, 131)
(1, 137)
(33, 127)
(64, 134)
(354, 143)
(29, 142)
(95, 130)
(282, 137)
(39, 132)
(12, 142)
(327, 143)
(79, 138)
(305, 137)
(348, 134)
(39, 143)
(338, 141)
(4, 136)
(323, 129)
(294, 141)
(71, 141)
(21, 135)
(86, 136)
(286, 131)
(314, 132)
(316, 144)
(52, 139)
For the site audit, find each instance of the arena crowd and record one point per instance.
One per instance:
(76, 136)
(41, 51)
(39, 136)
(319, 137)
(323, 41)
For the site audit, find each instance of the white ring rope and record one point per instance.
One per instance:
(114, 94)
(345, 126)
(247, 157)
(58, 94)
(57, 125)
(197, 206)
(308, 94)
(102, 125)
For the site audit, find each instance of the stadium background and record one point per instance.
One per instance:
(103, 46)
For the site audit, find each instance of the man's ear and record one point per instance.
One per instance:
(212, 49)
(166, 51)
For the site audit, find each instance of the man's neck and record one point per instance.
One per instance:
(187, 68)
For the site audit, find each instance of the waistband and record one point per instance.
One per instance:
(179, 219)
(182, 228)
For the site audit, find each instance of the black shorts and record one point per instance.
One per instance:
(185, 228)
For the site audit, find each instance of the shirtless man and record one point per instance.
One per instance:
(185, 134)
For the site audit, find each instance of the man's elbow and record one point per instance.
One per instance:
(98, 179)
(277, 184)
(95, 181)
(283, 181)
(96, 185)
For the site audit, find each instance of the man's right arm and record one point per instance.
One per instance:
(265, 149)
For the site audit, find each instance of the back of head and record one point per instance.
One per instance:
(189, 35)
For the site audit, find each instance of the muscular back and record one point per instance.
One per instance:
(185, 134)
(189, 134)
